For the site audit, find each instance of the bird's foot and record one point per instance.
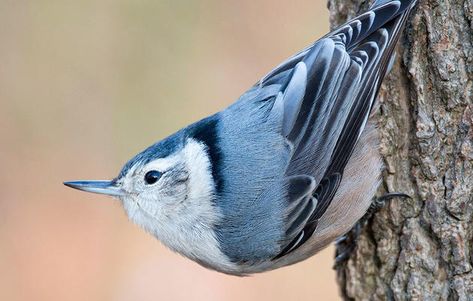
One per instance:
(347, 243)
(380, 202)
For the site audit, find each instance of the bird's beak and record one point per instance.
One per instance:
(101, 187)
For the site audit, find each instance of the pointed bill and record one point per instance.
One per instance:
(101, 187)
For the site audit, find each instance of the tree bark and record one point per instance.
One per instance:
(421, 248)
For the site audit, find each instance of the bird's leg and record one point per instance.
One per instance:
(347, 243)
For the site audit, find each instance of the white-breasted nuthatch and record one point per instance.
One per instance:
(286, 169)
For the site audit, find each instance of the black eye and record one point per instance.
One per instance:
(152, 176)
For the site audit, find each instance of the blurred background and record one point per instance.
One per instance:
(85, 85)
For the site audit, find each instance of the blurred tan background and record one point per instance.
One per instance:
(84, 85)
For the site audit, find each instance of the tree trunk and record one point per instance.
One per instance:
(421, 248)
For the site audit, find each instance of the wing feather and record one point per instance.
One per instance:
(343, 73)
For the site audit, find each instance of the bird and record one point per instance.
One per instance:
(283, 171)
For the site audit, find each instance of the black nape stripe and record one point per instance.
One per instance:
(206, 131)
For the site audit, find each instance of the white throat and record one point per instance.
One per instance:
(188, 230)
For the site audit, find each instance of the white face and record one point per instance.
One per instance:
(177, 205)
(157, 189)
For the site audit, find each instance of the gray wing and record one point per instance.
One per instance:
(294, 193)
(328, 92)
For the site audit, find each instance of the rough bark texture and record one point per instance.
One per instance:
(421, 249)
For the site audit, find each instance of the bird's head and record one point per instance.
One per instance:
(168, 189)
